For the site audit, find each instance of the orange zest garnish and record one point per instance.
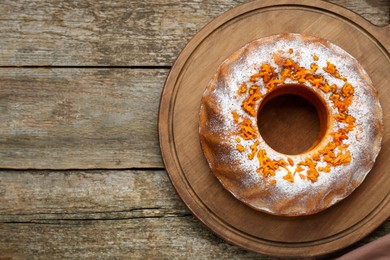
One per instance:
(333, 154)
(312, 173)
(316, 157)
(290, 161)
(254, 150)
(247, 131)
(249, 104)
(289, 176)
(240, 148)
(242, 89)
(236, 117)
(324, 169)
(347, 90)
(331, 69)
(265, 72)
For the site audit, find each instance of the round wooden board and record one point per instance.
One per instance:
(318, 234)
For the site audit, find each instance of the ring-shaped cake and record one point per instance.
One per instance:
(350, 116)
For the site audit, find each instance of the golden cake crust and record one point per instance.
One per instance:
(270, 181)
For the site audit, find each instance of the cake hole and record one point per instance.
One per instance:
(292, 119)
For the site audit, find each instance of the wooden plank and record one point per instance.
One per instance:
(161, 238)
(79, 214)
(147, 238)
(377, 11)
(74, 33)
(39, 196)
(79, 118)
(73, 214)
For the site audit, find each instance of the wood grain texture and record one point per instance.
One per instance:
(78, 195)
(48, 122)
(144, 238)
(79, 118)
(112, 214)
(346, 222)
(99, 213)
(74, 33)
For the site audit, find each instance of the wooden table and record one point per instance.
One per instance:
(81, 171)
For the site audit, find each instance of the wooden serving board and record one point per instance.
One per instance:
(318, 234)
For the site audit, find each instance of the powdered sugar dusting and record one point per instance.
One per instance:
(245, 181)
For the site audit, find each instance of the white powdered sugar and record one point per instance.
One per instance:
(220, 131)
